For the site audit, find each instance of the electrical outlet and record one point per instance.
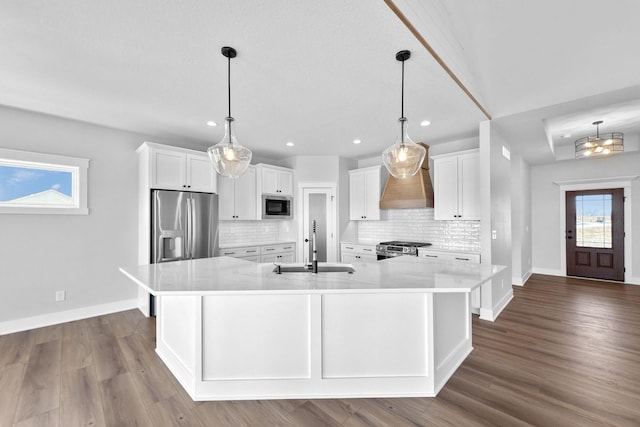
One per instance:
(502, 283)
(60, 296)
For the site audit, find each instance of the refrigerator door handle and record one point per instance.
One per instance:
(187, 240)
(192, 236)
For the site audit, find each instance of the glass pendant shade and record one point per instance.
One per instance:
(228, 157)
(404, 158)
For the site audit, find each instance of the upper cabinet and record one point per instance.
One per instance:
(237, 196)
(364, 193)
(274, 180)
(457, 186)
(173, 168)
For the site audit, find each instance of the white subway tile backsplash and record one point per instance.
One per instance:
(418, 225)
(240, 232)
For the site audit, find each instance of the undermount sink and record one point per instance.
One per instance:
(322, 268)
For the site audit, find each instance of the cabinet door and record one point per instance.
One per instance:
(356, 196)
(200, 174)
(445, 188)
(226, 198)
(469, 186)
(372, 194)
(350, 258)
(285, 183)
(245, 195)
(269, 180)
(168, 170)
(287, 257)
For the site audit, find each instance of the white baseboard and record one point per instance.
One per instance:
(55, 318)
(520, 281)
(634, 281)
(492, 315)
(549, 272)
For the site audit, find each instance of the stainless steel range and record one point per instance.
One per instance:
(398, 248)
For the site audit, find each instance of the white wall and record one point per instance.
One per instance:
(41, 254)
(547, 228)
(520, 219)
(496, 216)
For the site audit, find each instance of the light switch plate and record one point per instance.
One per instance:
(494, 234)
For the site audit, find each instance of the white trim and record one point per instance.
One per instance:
(492, 315)
(597, 184)
(332, 186)
(520, 281)
(76, 166)
(55, 318)
(548, 272)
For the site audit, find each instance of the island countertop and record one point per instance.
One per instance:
(225, 275)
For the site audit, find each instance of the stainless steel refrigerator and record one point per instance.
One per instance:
(184, 226)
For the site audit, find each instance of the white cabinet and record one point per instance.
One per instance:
(237, 196)
(173, 168)
(365, 185)
(351, 253)
(449, 255)
(274, 180)
(249, 253)
(281, 253)
(457, 186)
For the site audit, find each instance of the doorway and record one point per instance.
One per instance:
(594, 233)
(319, 205)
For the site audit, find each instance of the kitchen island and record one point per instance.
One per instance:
(230, 329)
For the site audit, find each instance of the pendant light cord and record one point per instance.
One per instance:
(402, 96)
(229, 84)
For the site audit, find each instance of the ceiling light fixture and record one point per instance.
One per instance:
(212, 123)
(404, 158)
(599, 145)
(229, 158)
(425, 123)
(289, 144)
(357, 141)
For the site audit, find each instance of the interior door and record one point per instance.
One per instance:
(595, 233)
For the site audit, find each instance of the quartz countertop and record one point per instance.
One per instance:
(235, 276)
(360, 242)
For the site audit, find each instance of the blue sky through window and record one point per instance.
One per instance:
(17, 182)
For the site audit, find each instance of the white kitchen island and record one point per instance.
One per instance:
(230, 329)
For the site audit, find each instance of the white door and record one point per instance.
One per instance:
(319, 204)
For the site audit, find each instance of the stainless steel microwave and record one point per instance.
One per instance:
(277, 207)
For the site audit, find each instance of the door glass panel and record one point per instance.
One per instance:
(318, 212)
(593, 221)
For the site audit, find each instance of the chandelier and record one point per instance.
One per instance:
(599, 144)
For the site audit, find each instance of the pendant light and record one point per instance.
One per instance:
(229, 158)
(404, 158)
(599, 144)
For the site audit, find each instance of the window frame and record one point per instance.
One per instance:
(78, 167)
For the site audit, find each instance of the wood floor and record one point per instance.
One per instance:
(565, 352)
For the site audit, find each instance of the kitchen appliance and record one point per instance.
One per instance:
(396, 248)
(277, 207)
(184, 225)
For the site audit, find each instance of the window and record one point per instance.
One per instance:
(35, 183)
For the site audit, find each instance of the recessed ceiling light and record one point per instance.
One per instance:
(212, 123)
(566, 135)
(357, 141)
(425, 123)
(290, 144)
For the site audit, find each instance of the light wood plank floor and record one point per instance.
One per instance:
(565, 352)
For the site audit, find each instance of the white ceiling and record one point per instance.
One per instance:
(322, 73)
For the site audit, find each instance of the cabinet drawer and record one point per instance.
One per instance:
(359, 249)
(450, 256)
(240, 252)
(278, 249)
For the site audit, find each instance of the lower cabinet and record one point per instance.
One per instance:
(284, 253)
(351, 253)
(280, 253)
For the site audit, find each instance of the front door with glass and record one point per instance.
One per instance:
(595, 234)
